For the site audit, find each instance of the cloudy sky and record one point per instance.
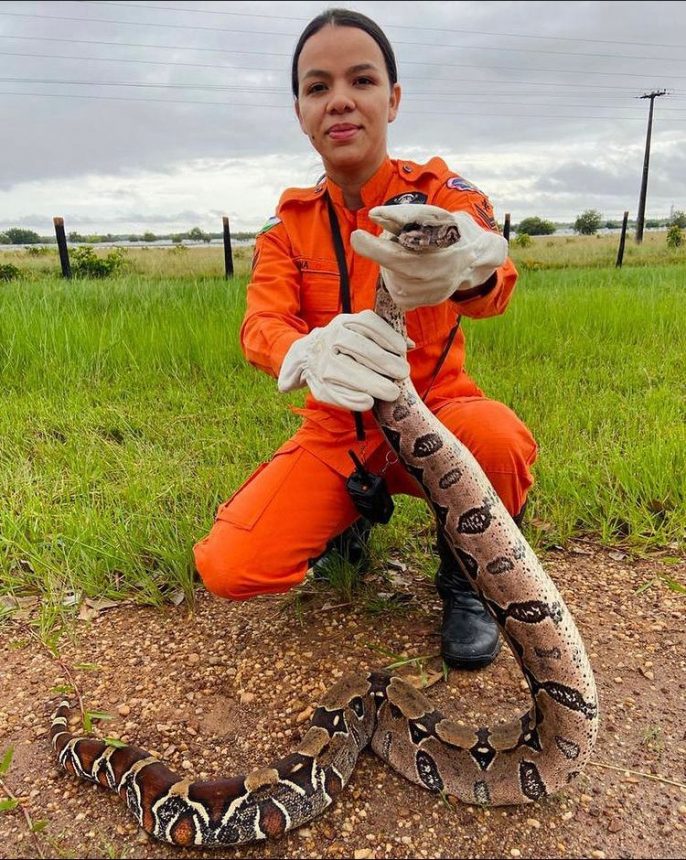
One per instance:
(132, 116)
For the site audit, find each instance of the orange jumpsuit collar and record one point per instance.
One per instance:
(371, 192)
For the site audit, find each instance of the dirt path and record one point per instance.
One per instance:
(230, 686)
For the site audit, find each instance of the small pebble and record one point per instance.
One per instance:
(304, 715)
(515, 852)
(533, 822)
(363, 853)
(123, 710)
(247, 698)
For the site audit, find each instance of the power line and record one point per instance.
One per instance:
(214, 66)
(419, 95)
(442, 113)
(267, 53)
(287, 54)
(413, 27)
(430, 94)
(258, 33)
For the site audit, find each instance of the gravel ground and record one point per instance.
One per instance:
(230, 686)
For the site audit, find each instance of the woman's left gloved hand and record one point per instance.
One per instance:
(430, 276)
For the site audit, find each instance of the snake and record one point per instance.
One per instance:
(523, 761)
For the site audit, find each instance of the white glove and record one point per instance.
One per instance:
(430, 276)
(348, 362)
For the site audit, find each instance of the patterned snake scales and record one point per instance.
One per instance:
(533, 756)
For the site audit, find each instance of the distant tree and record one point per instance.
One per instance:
(73, 236)
(196, 235)
(535, 226)
(678, 218)
(588, 222)
(177, 238)
(21, 236)
(5, 239)
(653, 223)
(149, 237)
(613, 225)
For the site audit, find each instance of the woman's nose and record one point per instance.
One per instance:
(340, 101)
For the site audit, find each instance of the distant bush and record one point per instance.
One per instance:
(675, 236)
(653, 224)
(85, 263)
(5, 239)
(588, 222)
(522, 240)
(678, 219)
(38, 251)
(8, 272)
(535, 226)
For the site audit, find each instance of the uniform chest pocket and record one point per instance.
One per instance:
(320, 293)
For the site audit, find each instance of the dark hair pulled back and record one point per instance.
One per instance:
(345, 18)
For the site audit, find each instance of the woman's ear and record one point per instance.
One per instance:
(394, 102)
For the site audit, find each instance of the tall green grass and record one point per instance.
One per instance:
(128, 414)
(593, 361)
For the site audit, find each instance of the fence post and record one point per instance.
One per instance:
(506, 228)
(622, 241)
(62, 246)
(228, 256)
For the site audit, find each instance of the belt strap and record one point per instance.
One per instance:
(344, 279)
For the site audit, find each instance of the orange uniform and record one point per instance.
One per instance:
(287, 511)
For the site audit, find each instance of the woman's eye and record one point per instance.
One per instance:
(316, 88)
(364, 81)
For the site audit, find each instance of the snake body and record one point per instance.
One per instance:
(533, 756)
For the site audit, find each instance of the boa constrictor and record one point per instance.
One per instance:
(533, 756)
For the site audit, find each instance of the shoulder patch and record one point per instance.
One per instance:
(271, 222)
(459, 183)
(407, 197)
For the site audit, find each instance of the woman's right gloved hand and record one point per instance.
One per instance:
(348, 362)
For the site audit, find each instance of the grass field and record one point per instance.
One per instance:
(129, 413)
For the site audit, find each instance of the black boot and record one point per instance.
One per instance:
(469, 634)
(351, 546)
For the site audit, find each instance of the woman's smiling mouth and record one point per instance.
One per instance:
(343, 131)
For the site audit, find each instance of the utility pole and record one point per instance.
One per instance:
(644, 181)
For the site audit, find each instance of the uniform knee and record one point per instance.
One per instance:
(219, 574)
(232, 566)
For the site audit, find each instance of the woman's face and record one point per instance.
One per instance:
(345, 99)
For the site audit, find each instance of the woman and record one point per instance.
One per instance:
(287, 513)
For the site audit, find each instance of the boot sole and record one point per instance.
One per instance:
(472, 662)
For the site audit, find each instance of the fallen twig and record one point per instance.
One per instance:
(65, 668)
(29, 821)
(639, 773)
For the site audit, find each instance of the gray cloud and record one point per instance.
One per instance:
(479, 98)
